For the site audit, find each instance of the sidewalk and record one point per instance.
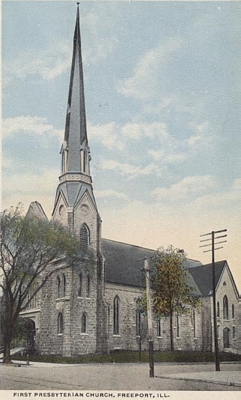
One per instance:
(127, 376)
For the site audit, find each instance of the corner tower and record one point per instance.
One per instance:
(75, 204)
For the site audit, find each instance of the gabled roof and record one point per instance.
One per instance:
(35, 210)
(202, 275)
(124, 264)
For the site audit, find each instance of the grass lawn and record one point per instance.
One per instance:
(133, 357)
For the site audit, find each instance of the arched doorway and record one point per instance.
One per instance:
(226, 343)
(30, 336)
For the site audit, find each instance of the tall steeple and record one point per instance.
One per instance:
(75, 149)
(75, 184)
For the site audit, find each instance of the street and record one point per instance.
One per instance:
(82, 377)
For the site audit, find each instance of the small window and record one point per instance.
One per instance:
(218, 309)
(159, 327)
(116, 316)
(232, 310)
(60, 328)
(84, 323)
(234, 332)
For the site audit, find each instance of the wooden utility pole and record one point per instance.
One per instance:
(149, 318)
(212, 244)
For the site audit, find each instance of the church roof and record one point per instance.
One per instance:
(35, 210)
(202, 275)
(124, 264)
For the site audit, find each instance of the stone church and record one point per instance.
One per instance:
(97, 311)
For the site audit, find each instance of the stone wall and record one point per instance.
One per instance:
(190, 331)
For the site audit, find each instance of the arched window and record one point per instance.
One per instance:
(159, 327)
(58, 287)
(80, 285)
(88, 286)
(218, 309)
(225, 307)
(232, 310)
(63, 285)
(60, 327)
(116, 316)
(84, 323)
(226, 342)
(84, 237)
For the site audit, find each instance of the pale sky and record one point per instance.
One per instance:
(162, 87)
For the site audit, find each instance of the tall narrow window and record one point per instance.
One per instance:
(63, 285)
(138, 322)
(88, 286)
(159, 327)
(84, 237)
(178, 325)
(232, 310)
(234, 332)
(58, 287)
(225, 307)
(85, 161)
(84, 323)
(116, 316)
(81, 160)
(218, 309)
(60, 327)
(194, 322)
(80, 285)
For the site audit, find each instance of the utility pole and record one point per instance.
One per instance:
(212, 238)
(149, 317)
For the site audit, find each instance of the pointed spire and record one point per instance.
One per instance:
(75, 150)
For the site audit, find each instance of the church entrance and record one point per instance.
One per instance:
(30, 336)
(226, 343)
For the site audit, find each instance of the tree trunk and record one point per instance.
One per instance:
(171, 331)
(8, 332)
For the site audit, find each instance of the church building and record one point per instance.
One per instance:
(96, 310)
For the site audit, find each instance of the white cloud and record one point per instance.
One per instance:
(28, 187)
(32, 125)
(99, 45)
(111, 193)
(139, 130)
(237, 184)
(132, 171)
(113, 136)
(107, 134)
(48, 63)
(146, 76)
(192, 185)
